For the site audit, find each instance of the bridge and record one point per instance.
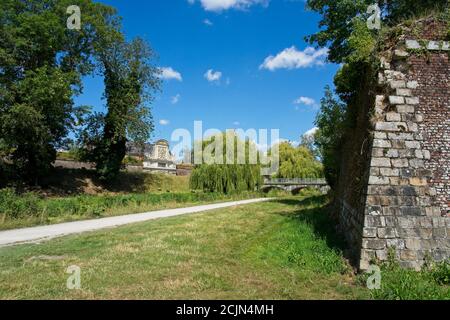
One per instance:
(295, 185)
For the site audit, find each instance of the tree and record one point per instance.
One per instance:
(331, 128)
(41, 65)
(242, 175)
(339, 18)
(298, 162)
(129, 78)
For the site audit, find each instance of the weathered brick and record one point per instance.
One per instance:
(403, 92)
(393, 117)
(395, 100)
(378, 143)
(400, 163)
(412, 100)
(381, 162)
(405, 109)
(374, 244)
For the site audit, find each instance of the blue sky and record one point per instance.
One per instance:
(229, 63)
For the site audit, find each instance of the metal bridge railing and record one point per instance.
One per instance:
(295, 181)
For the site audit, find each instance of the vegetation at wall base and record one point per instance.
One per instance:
(398, 283)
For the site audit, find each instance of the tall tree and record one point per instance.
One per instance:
(41, 65)
(130, 78)
(328, 138)
(242, 174)
(298, 162)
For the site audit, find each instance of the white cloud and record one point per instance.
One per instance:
(221, 5)
(305, 101)
(311, 132)
(208, 22)
(164, 122)
(175, 99)
(236, 123)
(213, 76)
(291, 58)
(167, 73)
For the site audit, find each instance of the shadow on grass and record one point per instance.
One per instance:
(314, 211)
(64, 181)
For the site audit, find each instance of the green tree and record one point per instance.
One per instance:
(130, 78)
(329, 136)
(339, 18)
(298, 162)
(241, 175)
(41, 65)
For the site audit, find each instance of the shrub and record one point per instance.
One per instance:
(13, 206)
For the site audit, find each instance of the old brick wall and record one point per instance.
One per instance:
(406, 200)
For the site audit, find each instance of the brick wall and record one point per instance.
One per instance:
(405, 204)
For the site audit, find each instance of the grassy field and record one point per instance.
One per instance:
(31, 209)
(284, 249)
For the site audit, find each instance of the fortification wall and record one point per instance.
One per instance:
(403, 204)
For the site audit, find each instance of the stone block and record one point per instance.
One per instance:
(398, 244)
(411, 211)
(381, 162)
(400, 163)
(396, 84)
(413, 44)
(408, 255)
(379, 180)
(403, 92)
(370, 232)
(400, 54)
(374, 221)
(388, 172)
(382, 255)
(404, 108)
(416, 163)
(439, 233)
(380, 135)
(433, 45)
(393, 117)
(374, 244)
(415, 181)
(392, 153)
(378, 143)
(387, 233)
(412, 144)
(412, 100)
(412, 85)
(395, 100)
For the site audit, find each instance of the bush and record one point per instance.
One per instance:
(13, 206)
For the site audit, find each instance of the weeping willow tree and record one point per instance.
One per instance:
(230, 165)
(298, 162)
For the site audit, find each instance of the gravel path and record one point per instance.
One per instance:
(42, 233)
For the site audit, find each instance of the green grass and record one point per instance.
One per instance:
(432, 283)
(276, 250)
(29, 209)
(283, 249)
